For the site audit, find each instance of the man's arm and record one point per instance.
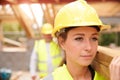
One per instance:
(33, 64)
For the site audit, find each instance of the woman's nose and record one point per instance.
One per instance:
(88, 45)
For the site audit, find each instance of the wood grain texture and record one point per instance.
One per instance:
(103, 59)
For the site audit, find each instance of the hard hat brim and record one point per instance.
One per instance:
(105, 27)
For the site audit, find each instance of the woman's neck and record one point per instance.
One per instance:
(79, 72)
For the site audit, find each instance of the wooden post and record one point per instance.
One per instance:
(1, 35)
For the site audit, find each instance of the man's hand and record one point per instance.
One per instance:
(34, 77)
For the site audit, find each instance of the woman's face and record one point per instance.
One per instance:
(47, 37)
(81, 45)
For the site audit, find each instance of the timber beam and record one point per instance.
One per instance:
(103, 59)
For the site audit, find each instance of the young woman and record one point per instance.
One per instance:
(77, 28)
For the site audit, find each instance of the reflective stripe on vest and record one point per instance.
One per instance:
(40, 47)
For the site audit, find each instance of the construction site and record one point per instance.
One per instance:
(20, 24)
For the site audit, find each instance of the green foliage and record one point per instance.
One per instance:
(107, 38)
(118, 38)
(11, 27)
(12, 30)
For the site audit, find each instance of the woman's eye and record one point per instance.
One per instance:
(79, 38)
(94, 39)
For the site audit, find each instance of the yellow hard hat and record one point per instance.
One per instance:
(47, 28)
(77, 13)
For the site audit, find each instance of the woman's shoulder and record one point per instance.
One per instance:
(60, 70)
(99, 76)
(54, 74)
(61, 73)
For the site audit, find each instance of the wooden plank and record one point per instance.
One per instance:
(1, 35)
(51, 13)
(12, 42)
(24, 20)
(34, 18)
(103, 59)
(109, 51)
(106, 9)
(43, 6)
(7, 17)
(14, 49)
(47, 13)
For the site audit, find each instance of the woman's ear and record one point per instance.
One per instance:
(61, 42)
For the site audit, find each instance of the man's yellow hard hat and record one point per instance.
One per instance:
(47, 28)
(77, 13)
